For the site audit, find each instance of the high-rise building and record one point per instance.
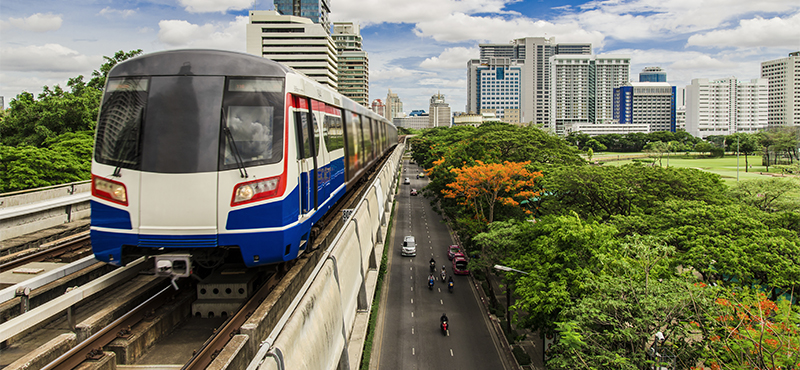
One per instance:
(529, 56)
(783, 80)
(353, 62)
(583, 89)
(394, 107)
(726, 106)
(316, 10)
(294, 41)
(378, 107)
(439, 112)
(652, 74)
(647, 103)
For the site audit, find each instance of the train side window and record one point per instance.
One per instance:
(367, 132)
(318, 107)
(332, 132)
(354, 140)
(301, 125)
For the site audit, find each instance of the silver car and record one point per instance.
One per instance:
(409, 246)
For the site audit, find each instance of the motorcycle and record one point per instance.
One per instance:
(450, 286)
(430, 283)
(444, 274)
(444, 327)
(433, 266)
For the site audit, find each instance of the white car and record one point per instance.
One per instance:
(407, 181)
(409, 246)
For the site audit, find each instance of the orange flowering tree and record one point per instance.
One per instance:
(745, 330)
(482, 186)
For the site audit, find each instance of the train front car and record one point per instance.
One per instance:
(191, 157)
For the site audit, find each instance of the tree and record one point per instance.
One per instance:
(98, 80)
(768, 195)
(614, 325)
(703, 147)
(482, 186)
(744, 143)
(656, 150)
(744, 329)
(595, 145)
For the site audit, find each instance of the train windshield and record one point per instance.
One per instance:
(174, 124)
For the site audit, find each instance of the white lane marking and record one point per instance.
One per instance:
(440, 289)
(448, 332)
(440, 301)
(412, 330)
(411, 268)
(451, 353)
(413, 352)
(412, 313)
(412, 300)
(412, 278)
(412, 288)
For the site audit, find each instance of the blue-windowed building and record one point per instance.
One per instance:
(646, 103)
(316, 10)
(652, 74)
(497, 87)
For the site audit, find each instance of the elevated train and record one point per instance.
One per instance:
(211, 153)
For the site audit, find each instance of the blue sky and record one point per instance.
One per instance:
(416, 47)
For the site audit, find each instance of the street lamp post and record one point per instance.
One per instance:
(508, 292)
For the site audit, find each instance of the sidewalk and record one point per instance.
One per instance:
(533, 344)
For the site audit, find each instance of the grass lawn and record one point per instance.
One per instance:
(725, 167)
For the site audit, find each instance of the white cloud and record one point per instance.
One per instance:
(47, 58)
(391, 73)
(451, 58)
(442, 82)
(37, 23)
(756, 32)
(207, 6)
(411, 11)
(110, 13)
(461, 27)
(182, 34)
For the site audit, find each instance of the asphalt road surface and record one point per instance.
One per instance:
(408, 334)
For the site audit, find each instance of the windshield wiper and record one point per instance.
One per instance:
(128, 132)
(239, 161)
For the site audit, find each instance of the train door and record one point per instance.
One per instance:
(306, 158)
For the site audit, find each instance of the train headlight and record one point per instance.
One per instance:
(252, 191)
(109, 190)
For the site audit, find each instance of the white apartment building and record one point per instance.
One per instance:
(783, 80)
(294, 41)
(353, 65)
(583, 88)
(394, 107)
(496, 84)
(439, 112)
(726, 106)
(412, 122)
(646, 103)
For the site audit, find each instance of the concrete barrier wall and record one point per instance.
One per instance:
(327, 315)
(38, 209)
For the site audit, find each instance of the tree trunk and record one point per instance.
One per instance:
(745, 162)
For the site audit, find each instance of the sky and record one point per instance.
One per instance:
(416, 47)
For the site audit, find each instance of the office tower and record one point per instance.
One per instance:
(583, 89)
(378, 107)
(529, 56)
(316, 10)
(394, 107)
(439, 112)
(294, 41)
(353, 67)
(496, 87)
(646, 103)
(783, 81)
(652, 74)
(726, 106)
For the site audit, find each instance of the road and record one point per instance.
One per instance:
(407, 333)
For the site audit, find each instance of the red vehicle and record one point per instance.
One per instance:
(460, 264)
(414, 192)
(452, 250)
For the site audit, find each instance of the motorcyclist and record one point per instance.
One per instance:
(431, 279)
(444, 273)
(443, 323)
(450, 284)
(433, 265)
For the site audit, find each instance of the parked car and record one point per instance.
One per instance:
(409, 246)
(421, 175)
(460, 264)
(452, 250)
(407, 181)
(414, 192)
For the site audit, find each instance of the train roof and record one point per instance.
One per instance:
(189, 62)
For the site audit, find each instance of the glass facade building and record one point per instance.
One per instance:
(316, 10)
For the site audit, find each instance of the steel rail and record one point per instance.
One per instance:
(58, 248)
(77, 355)
(214, 345)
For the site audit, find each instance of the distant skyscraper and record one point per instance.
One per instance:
(379, 107)
(646, 103)
(783, 79)
(316, 10)
(652, 74)
(583, 89)
(530, 95)
(394, 107)
(439, 112)
(353, 62)
(294, 41)
(726, 106)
